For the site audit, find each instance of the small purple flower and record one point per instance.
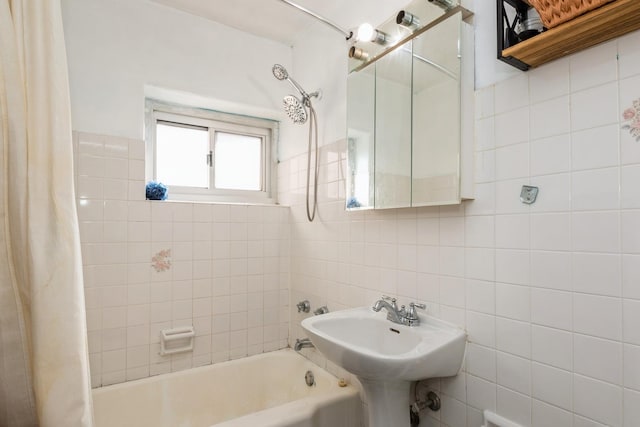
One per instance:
(156, 191)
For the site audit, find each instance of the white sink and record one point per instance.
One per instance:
(387, 356)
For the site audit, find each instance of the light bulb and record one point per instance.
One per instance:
(366, 33)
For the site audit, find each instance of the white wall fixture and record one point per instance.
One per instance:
(176, 340)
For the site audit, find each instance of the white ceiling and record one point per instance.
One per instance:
(276, 20)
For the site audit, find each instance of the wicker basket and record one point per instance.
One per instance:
(555, 12)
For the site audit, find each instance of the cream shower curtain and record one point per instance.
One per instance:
(44, 374)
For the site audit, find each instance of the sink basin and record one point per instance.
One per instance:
(368, 345)
(386, 356)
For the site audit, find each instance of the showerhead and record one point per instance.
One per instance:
(295, 109)
(280, 72)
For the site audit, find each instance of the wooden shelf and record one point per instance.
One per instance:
(605, 23)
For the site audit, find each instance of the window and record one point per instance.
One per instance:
(203, 155)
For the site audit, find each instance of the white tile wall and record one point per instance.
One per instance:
(548, 293)
(228, 277)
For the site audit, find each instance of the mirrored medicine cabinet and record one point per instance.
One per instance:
(406, 103)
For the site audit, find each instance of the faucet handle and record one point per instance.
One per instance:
(412, 314)
(392, 300)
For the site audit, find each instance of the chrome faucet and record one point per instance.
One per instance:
(302, 343)
(393, 313)
(400, 315)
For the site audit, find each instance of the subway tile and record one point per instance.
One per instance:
(481, 362)
(551, 232)
(514, 406)
(631, 368)
(594, 66)
(513, 266)
(630, 230)
(552, 385)
(549, 81)
(485, 166)
(552, 347)
(629, 55)
(631, 276)
(484, 102)
(513, 337)
(511, 127)
(480, 263)
(479, 231)
(481, 394)
(608, 322)
(512, 162)
(485, 134)
(594, 107)
(597, 274)
(595, 148)
(514, 373)
(631, 405)
(629, 188)
(631, 320)
(596, 232)
(481, 329)
(508, 196)
(597, 400)
(512, 231)
(551, 155)
(598, 358)
(512, 93)
(480, 296)
(544, 415)
(484, 203)
(550, 118)
(551, 308)
(596, 190)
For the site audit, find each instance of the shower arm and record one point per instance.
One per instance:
(347, 34)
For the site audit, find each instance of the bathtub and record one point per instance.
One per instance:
(267, 390)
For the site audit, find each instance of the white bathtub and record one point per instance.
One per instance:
(267, 390)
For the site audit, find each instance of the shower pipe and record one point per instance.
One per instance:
(347, 34)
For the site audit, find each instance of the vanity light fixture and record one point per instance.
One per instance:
(366, 33)
(408, 20)
(358, 53)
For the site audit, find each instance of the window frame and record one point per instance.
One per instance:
(214, 122)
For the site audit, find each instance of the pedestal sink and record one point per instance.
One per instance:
(386, 357)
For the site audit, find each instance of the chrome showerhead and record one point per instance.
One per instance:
(295, 109)
(280, 72)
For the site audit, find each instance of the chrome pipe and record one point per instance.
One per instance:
(347, 34)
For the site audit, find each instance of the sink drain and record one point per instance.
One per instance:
(309, 379)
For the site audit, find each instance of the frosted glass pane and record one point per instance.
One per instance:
(238, 160)
(181, 156)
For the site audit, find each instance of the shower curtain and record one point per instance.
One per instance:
(44, 374)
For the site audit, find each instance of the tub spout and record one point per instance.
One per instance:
(302, 343)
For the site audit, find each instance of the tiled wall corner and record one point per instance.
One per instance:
(150, 265)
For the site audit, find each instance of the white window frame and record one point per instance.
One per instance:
(214, 121)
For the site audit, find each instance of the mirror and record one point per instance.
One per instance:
(404, 120)
(393, 130)
(360, 139)
(436, 115)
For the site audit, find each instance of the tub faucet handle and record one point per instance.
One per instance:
(303, 306)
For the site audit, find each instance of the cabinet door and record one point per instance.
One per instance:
(436, 115)
(361, 93)
(393, 129)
